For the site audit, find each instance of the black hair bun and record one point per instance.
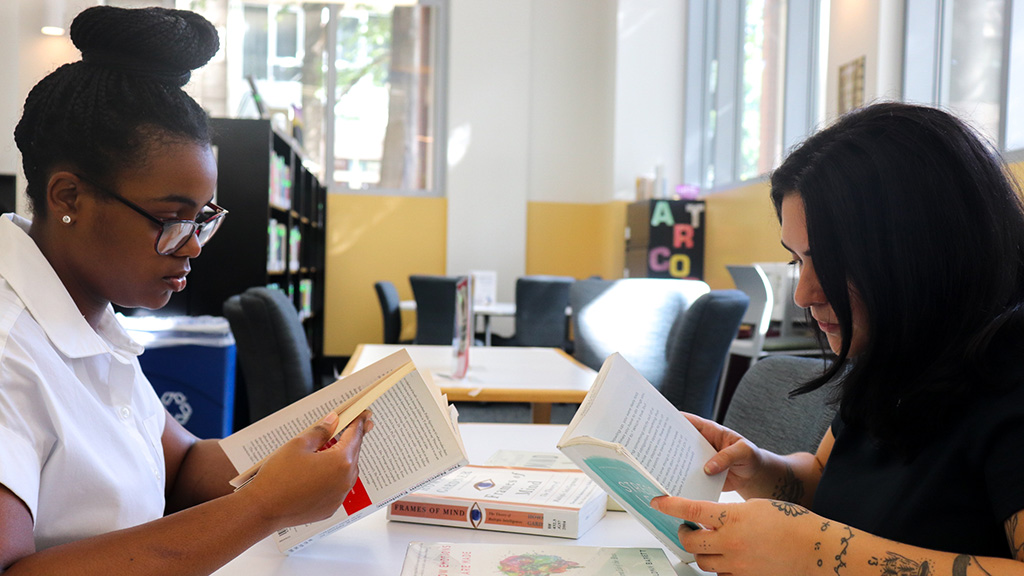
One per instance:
(161, 42)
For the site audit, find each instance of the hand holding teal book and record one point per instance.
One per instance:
(633, 443)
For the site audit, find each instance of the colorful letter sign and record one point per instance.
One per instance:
(676, 245)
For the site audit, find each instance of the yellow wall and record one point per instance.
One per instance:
(371, 238)
(741, 229)
(578, 240)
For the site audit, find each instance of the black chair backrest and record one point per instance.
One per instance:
(387, 294)
(697, 348)
(435, 308)
(272, 349)
(540, 310)
(762, 411)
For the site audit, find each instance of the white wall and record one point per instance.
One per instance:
(554, 101)
(649, 92)
(36, 56)
(572, 100)
(488, 122)
(870, 28)
(10, 97)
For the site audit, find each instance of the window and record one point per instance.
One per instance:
(955, 56)
(751, 86)
(385, 122)
(359, 84)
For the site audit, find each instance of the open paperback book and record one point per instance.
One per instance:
(415, 439)
(478, 559)
(636, 445)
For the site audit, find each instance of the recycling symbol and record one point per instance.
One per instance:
(177, 404)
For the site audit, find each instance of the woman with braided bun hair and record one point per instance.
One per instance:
(95, 476)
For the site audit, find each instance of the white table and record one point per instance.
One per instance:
(540, 376)
(484, 311)
(375, 547)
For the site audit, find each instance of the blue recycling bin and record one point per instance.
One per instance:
(190, 361)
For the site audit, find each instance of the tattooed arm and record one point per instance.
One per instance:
(758, 473)
(771, 537)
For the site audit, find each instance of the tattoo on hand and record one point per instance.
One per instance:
(790, 509)
(721, 518)
(897, 565)
(790, 488)
(962, 562)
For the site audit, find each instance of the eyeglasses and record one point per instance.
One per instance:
(174, 234)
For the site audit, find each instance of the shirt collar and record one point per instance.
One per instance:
(35, 282)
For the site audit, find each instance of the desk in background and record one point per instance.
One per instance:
(540, 376)
(484, 311)
(375, 547)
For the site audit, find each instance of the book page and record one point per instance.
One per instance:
(412, 442)
(255, 442)
(408, 439)
(627, 410)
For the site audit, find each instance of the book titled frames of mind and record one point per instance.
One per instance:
(563, 503)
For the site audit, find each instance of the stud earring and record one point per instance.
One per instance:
(66, 219)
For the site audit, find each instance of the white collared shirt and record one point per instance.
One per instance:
(80, 425)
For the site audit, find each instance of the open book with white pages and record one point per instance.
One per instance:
(636, 445)
(415, 439)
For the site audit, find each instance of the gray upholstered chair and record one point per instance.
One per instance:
(273, 352)
(632, 316)
(540, 312)
(697, 348)
(762, 411)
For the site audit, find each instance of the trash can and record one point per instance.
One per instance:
(190, 361)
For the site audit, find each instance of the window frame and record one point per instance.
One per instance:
(714, 68)
(439, 113)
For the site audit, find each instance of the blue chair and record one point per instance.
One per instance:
(632, 316)
(540, 312)
(435, 308)
(272, 348)
(387, 294)
(697, 347)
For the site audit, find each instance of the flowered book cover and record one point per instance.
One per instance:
(476, 559)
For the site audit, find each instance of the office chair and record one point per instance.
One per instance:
(632, 316)
(753, 281)
(697, 347)
(387, 294)
(435, 308)
(272, 349)
(762, 411)
(541, 302)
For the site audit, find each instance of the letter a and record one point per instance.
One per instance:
(662, 214)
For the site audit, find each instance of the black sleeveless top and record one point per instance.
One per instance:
(954, 495)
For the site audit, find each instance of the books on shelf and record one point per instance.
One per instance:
(476, 559)
(563, 503)
(636, 445)
(414, 440)
(280, 191)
